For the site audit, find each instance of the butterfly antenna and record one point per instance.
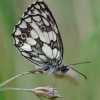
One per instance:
(78, 63)
(78, 71)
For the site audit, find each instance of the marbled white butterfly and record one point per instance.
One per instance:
(38, 39)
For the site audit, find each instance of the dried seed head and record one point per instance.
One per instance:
(46, 92)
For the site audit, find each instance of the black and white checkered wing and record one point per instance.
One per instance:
(37, 36)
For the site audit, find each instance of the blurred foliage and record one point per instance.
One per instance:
(79, 24)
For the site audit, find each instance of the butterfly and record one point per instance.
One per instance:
(38, 39)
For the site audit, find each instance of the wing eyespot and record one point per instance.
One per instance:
(29, 29)
(20, 43)
(43, 28)
(23, 35)
(48, 29)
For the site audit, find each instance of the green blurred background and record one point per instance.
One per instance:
(79, 24)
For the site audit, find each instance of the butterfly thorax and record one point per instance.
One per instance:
(53, 66)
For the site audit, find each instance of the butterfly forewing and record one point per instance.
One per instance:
(37, 36)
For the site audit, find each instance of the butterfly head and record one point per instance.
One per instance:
(64, 68)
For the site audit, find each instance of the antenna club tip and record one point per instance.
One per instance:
(85, 77)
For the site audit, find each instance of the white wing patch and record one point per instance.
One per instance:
(26, 47)
(44, 14)
(35, 11)
(37, 59)
(46, 37)
(31, 41)
(58, 54)
(43, 57)
(46, 22)
(23, 25)
(28, 20)
(25, 54)
(55, 28)
(54, 36)
(54, 52)
(33, 34)
(16, 40)
(37, 18)
(50, 35)
(42, 6)
(37, 6)
(18, 32)
(47, 50)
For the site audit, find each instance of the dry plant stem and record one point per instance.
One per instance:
(54, 83)
(16, 89)
(11, 79)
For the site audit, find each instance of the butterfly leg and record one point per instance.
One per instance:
(54, 84)
(39, 70)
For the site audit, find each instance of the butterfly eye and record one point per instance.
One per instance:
(20, 43)
(23, 35)
(42, 28)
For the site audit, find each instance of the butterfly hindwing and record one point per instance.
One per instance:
(37, 36)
